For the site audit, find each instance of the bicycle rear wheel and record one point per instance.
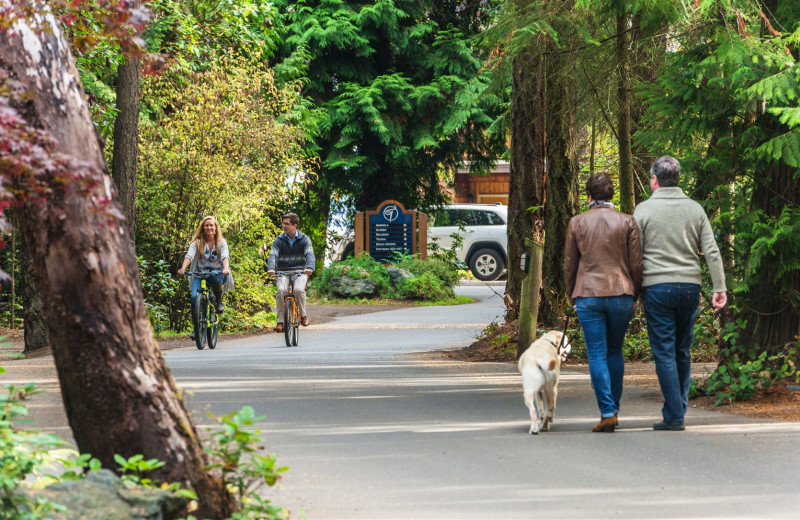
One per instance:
(213, 327)
(200, 308)
(289, 329)
(296, 327)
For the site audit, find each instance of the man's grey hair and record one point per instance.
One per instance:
(667, 170)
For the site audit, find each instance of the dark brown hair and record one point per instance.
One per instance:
(600, 187)
(293, 218)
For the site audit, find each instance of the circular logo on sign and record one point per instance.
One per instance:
(390, 213)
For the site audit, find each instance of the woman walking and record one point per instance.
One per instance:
(603, 275)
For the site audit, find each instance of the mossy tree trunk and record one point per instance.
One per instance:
(526, 184)
(561, 185)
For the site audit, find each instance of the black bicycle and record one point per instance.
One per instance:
(204, 317)
(291, 312)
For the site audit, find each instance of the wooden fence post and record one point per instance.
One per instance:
(529, 297)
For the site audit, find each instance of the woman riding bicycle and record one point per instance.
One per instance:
(213, 248)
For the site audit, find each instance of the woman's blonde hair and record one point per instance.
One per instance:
(197, 238)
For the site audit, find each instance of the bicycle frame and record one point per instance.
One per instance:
(290, 309)
(206, 321)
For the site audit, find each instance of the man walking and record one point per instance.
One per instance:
(674, 232)
(291, 251)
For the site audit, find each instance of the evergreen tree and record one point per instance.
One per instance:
(398, 91)
(726, 104)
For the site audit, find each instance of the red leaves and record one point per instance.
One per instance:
(33, 172)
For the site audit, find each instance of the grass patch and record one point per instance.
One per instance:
(332, 300)
(455, 300)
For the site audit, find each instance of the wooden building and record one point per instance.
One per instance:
(483, 189)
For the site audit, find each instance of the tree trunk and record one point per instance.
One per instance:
(526, 183)
(645, 66)
(626, 192)
(561, 185)
(118, 394)
(33, 319)
(34, 322)
(126, 139)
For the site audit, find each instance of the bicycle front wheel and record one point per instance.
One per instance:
(200, 309)
(213, 327)
(289, 329)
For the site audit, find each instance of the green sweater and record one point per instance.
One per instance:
(675, 232)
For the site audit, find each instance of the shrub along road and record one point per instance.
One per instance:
(373, 423)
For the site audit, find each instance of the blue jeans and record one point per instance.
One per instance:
(671, 310)
(604, 321)
(214, 283)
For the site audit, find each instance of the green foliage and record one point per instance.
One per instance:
(449, 256)
(774, 252)
(426, 286)
(234, 452)
(22, 453)
(433, 280)
(443, 270)
(726, 105)
(158, 287)
(196, 33)
(216, 145)
(400, 94)
(356, 268)
(743, 372)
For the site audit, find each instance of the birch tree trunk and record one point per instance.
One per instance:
(117, 391)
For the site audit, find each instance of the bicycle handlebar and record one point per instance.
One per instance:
(203, 274)
(288, 273)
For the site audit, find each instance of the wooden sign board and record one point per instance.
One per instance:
(390, 230)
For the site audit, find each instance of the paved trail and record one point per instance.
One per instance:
(373, 425)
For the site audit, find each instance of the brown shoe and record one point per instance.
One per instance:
(606, 424)
(304, 321)
(279, 327)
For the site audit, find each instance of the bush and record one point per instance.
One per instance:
(234, 452)
(442, 270)
(425, 287)
(356, 268)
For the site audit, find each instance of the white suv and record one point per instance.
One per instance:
(485, 238)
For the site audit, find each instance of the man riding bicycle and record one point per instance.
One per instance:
(291, 251)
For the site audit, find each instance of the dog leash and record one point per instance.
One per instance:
(568, 314)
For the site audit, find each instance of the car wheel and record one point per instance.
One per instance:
(486, 264)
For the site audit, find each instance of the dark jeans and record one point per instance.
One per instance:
(604, 321)
(671, 310)
(214, 283)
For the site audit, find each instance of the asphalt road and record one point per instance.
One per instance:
(373, 424)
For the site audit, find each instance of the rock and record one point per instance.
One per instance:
(350, 288)
(398, 275)
(101, 495)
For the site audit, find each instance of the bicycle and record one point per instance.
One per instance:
(204, 317)
(291, 313)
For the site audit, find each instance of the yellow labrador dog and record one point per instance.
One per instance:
(540, 367)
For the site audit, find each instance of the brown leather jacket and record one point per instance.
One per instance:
(603, 254)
